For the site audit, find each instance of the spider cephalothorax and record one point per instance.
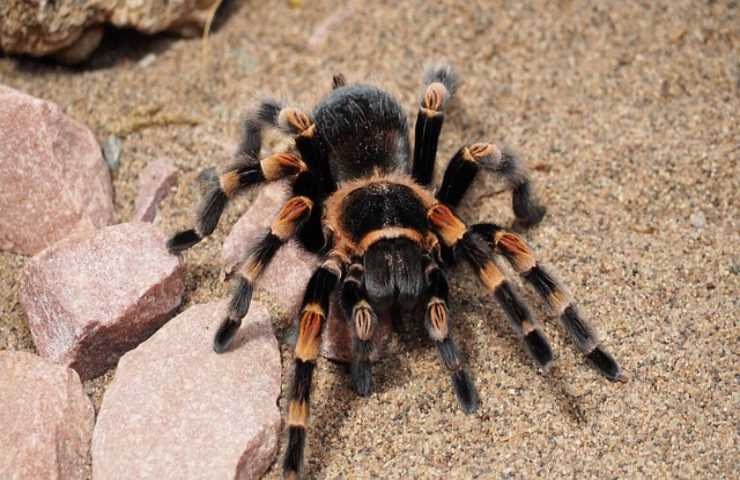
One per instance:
(364, 203)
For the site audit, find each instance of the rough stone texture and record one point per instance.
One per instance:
(91, 298)
(176, 409)
(47, 420)
(81, 49)
(155, 181)
(52, 175)
(41, 28)
(285, 279)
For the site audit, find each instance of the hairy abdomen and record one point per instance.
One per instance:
(364, 129)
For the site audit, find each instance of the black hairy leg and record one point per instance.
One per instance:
(314, 312)
(463, 169)
(439, 85)
(363, 321)
(438, 325)
(522, 259)
(247, 171)
(456, 236)
(291, 217)
(304, 130)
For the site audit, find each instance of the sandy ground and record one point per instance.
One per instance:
(630, 115)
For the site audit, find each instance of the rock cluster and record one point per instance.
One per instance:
(72, 29)
(47, 420)
(176, 409)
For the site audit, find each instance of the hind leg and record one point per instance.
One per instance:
(467, 162)
(522, 259)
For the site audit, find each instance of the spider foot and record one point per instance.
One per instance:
(225, 335)
(539, 348)
(605, 363)
(465, 390)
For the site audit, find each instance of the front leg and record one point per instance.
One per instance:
(363, 322)
(314, 312)
(291, 217)
(439, 326)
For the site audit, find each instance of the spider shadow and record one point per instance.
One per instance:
(341, 403)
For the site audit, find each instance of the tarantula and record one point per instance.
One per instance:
(364, 203)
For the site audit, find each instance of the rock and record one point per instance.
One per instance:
(40, 28)
(47, 420)
(285, 279)
(176, 409)
(112, 149)
(52, 174)
(155, 181)
(147, 60)
(79, 51)
(89, 299)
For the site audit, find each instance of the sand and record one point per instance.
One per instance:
(629, 115)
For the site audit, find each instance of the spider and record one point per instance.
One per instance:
(363, 202)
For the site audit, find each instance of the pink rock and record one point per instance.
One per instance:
(89, 299)
(47, 420)
(155, 181)
(285, 279)
(176, 409)
(52, 174)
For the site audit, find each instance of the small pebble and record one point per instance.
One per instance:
(147, 60)
(112, 149)
(698, 220)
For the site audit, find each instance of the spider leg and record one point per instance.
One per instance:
(363, 321)
(456, 236)
(314, 311)
(246, 172)
(291, 217)
(463, 169)
(523, 261)
(439, 83)
(438, 326)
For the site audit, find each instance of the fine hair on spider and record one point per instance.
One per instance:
(363, 202)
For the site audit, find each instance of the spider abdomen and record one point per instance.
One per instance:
(363, 129)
